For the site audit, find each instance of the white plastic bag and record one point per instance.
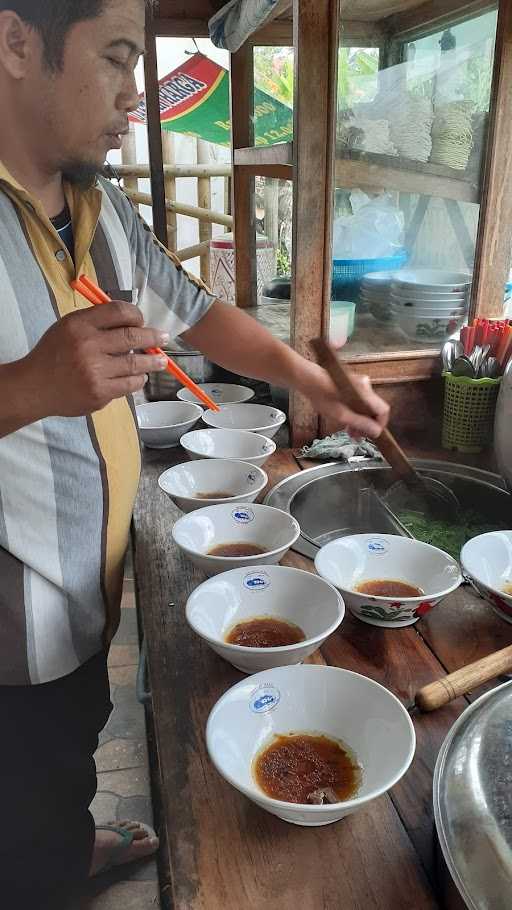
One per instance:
(375, 230)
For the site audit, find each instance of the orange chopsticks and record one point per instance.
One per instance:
(96, 296)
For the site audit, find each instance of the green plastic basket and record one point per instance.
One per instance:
(468, 416)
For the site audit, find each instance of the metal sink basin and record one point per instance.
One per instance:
(334, 500)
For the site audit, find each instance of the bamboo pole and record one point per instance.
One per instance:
(176, 170)
(271, 200)
(190, 252)
(204, 201)
(129, 157)
(168, 152)
(181, 209)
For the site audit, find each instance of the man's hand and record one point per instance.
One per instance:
(325, 398)
(86, 360)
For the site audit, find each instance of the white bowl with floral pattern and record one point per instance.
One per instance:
(350, 561)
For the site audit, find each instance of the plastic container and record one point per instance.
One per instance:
(342, 322)
(468, 414)
(222, 266)
(347, 273)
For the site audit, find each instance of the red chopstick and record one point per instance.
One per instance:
(96, 296)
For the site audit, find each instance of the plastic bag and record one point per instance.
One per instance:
(375, 229)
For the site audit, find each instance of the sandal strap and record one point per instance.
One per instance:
(125, 843)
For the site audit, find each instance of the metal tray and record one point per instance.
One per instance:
(332, 500)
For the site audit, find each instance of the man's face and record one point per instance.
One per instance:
(82, 110)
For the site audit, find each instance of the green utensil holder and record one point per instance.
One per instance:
(468, 414)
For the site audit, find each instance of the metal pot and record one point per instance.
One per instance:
(163, 386)
(473, 805)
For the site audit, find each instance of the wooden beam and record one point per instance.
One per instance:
(362, 34)
(316, 31)
(176, 170)
(434, 14)
(181, 28)
(282, 154)
(278, 33)
(242, 111)
(192, 211)
(494, 240)
(351, 172)
(154, 133)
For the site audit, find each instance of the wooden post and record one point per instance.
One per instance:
(204, 201)
(494, 241)
(129, 156)
(169, 157)
(242, 109)
(271, 199)
(316, 30)
(154, 132)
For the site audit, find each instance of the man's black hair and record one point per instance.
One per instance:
(53, 20)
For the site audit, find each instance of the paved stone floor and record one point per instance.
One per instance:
(123, 772)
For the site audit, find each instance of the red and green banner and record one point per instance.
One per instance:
(194, 99)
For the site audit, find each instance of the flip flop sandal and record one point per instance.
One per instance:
(127, 837)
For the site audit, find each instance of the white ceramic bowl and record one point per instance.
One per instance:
(405, 294)
(183, 483)
(423, 313)
(487, 561)
(349, 561)
(200, 531)
(315, 700)
(163, 423)
(279, 591)
(414, 304)
(257, 418)
(242, 445)
(435, 280)
(220, 392)
(430, 330)
(377, 279)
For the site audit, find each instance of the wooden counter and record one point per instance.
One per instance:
(223, 852)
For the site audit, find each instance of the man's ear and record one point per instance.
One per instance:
(17, 44)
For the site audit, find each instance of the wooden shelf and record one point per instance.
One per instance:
(267, 160)
(355, 168)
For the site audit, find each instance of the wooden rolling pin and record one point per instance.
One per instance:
(450, 687)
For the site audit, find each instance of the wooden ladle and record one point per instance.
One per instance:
(439, 500)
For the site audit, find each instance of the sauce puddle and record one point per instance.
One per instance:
(236, 549)
(388, 587)
(307, 769)
(264, 632)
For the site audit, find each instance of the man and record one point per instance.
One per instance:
(69, 451)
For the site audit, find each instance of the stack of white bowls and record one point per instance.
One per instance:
(375, 295)
(430, 305)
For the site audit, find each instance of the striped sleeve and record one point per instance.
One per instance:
(170, 298)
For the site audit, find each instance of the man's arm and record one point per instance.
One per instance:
(237, 342)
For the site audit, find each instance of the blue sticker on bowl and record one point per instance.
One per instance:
(264, 699)
(216, 392)
(243, 516)
(378, 547)
(251, 478)
(256, 581)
